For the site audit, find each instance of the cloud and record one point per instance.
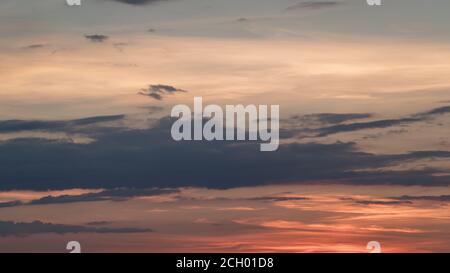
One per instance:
(10, 126)
(107, 195)
(9, 228)
(139, 2)
(152, 109)
(436, 111)
(97, 38)
(385, 123)
(364, 125)
(121, 194)
(158, 91)
(97, 119)
(98, 223)
(278, 198)
(34, 46)
(380, 202)
(438, 198)
(122, 157)
(11, 204)
(328, 118)
(147, 158)
(242, 20)
(313, 5)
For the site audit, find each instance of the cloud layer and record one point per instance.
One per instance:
(146, 158)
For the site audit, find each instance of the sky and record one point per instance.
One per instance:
(85, 146)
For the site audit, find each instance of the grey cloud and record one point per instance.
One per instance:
(97, 119)
(11, 204)
(120, 46)
(9, 228)
(339, 118)
(438, 198)
(96, 38)
(313, 5)
(378, 202)
(436, 111)
(329, 118)
(98, 223)
(34, 46)
(147, 158)
(152, 109)
(278, 198)
(313, 124)
(364, 125)
(119, 194)
(140, 2)
(10, 126)
(158, 91)
(107, 195)
(155, 96)
(243, 20)
(385, 123)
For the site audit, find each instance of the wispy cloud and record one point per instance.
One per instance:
(106, 195)
(384, 123)
(313, 5)
(158, 91)
(34, 46)
(378, 202)
(327, 118)
(9, 228)
(438, 198)
(96, 38)
(140, 2)
(10, 126)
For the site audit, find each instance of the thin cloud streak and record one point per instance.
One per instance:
(9, 228)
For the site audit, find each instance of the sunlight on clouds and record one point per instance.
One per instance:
(289, 218)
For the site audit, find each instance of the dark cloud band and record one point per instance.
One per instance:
(8, 228)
